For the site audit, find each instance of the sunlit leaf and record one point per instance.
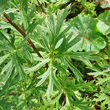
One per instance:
(38, 66)
(91, 39)
(3, 58)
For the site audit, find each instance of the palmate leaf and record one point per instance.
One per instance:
(103, 27)
(105, 17)
(91, 39)
(47, 38)
(104, 24)
(56, 25)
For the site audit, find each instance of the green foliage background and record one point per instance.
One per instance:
(73, 71)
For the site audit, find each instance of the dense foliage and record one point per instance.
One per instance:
(54, 55)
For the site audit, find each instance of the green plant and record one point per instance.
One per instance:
(89, 7)
(58, 64)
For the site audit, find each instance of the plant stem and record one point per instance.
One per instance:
(4, 20)
(41, 7)
(22, 32)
